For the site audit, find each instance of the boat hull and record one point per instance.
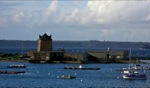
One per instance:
(67, 77)
(129, 76)
(11, 72)
(77, 68)
(17, 66)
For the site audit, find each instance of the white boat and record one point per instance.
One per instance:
(133, 72)
(17, 66)
(139, 67)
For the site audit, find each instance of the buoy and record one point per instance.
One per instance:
(57, 76)
(49, 73)
(81, 80)
(75, 73)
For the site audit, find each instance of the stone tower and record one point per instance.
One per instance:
(44, 43)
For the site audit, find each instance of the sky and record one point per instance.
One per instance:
(79, 20)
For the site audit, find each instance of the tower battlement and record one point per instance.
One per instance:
(45, 37)
(45, 43)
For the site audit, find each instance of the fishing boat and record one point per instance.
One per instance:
(67, 77)
(17, 66)
(80, 67)
(133, 72)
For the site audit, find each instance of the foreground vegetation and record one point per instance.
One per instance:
(13, 57)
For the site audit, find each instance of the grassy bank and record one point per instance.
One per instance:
(13, 57)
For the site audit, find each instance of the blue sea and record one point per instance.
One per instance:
(46, 76)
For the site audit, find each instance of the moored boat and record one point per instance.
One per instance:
(67, 77)
(134, 74)
(80, 68)
(139, 67)
(11, 72)
(135, 67)
(17, 66)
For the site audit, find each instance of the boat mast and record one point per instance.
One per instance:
(130, 58)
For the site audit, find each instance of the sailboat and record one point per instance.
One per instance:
(134, 74)
(131, 73)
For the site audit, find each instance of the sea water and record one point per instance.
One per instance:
(46, 76)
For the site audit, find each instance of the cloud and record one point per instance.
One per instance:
(110, 12)
(19, 17)
(79, 20)
(52, 7)
(147, 18)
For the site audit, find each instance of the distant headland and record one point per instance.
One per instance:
(83, 44)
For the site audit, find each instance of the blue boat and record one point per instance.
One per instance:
(134, 74)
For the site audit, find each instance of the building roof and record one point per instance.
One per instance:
(45, 37)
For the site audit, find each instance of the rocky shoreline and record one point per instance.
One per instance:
(22, 58)
(119, 62)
